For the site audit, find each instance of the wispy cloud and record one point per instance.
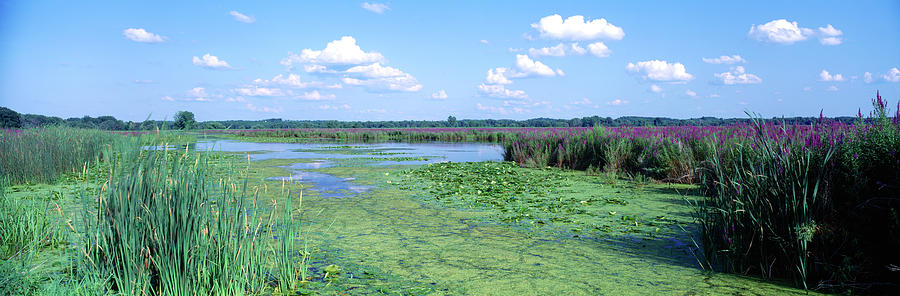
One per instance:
(242, 17)
(378, 8)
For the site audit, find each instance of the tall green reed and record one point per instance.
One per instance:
(43, 154)
(164, 224)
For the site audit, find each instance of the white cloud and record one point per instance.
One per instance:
(832, 88)
(807, 88)
(655, 88)
(785, 32)
(253, 108)
(690, 93)
(779, 31)
(197, 92)
(167, 98)
(491, 109)
(292, 80)
(497, 76)
(235, 99)
(560, 50)
(599, 49)
(660, 70)
(141, 35)
(241, 17)
(334, 107)
(868, 77)
(575, 28)
(734, 59)
(369, 111)
(378, 8)
(375, 70)
(893, 75)
(528, 67)
(829, 35)
(715, 96)
(617, 102)
(315, 96)
(404, 82)
(337, 52)
(825, 76)
(260, 92)
(738, 75)
(211, 62)
(334, 86)
(498, 91)
(483, 41)
(441, 94)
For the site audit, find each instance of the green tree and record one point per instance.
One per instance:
(184, 120)
(10, 118)
(451, 121)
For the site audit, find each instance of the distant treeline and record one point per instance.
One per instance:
(111, 123)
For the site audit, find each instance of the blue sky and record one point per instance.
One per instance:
(401, 60)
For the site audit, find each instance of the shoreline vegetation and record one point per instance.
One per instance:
(815, 204)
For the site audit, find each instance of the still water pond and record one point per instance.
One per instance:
(325, 155)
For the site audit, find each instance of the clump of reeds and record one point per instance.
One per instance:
(43, 154)
(164, 225)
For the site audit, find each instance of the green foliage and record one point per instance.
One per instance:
(451, 121)
(184, 120)
(10, 118)
(164, 226)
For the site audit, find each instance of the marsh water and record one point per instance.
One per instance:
(361, 219)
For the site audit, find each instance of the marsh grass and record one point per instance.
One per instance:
(42, 155)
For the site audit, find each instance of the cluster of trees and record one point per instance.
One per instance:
(186, 120)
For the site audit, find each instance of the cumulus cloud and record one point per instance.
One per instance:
(483, 41)
(779, 31)
(378, 8)
(734, 59)
(497, 76)
(783, 31)
(337, 52)
(599, 49)
(499, 91)
(830, 36)
(141, 35)
(690, 93)
(617, 102)
(893, 75)
(315, 96)
(559, 50)
(737, 75)
(199, 94)
(375, 70)
(825, 76)
(660, 71)
(211, 62)
(260, 92)
(529, 67)
(365, 68)
(575, 28)
(242, 17)
(292, 80)
(440, 95)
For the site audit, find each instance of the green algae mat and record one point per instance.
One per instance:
(493, 228)
(480, 228)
